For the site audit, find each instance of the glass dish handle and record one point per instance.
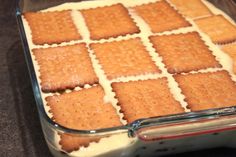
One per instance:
(185, 129)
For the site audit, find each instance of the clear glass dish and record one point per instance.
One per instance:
(144, 137)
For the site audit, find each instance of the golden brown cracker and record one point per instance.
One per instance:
(144, 99)
(160, 16)
(72, 142)
(82, 110)
(183, 52)
(124, 58)
(191, 8)
(230, 49)
(109, 21)
(64, 67)
(208, 90)
(218, 28)
(52, 27)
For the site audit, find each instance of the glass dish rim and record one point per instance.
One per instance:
(140, 123)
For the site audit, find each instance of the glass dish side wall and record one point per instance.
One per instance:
(153, 140)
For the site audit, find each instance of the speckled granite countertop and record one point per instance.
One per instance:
(20, 130)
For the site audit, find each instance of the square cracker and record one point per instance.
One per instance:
(144, 99)
(208, 90)
(64, 67)
(124, 58)
(184, 52)
(191, 8)
(160, 16)
(219, 29)
(52, 27)
(230, 49)
(82, 110)
(109, 21)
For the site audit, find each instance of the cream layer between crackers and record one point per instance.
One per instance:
(223, 58)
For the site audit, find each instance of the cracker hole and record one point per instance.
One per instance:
(188, 107)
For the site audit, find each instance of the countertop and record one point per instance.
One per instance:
(20, 130)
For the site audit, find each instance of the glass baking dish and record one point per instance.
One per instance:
(144, 137)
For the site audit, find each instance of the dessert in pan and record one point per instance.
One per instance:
(107, 63)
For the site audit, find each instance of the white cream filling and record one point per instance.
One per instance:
(115, 142)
